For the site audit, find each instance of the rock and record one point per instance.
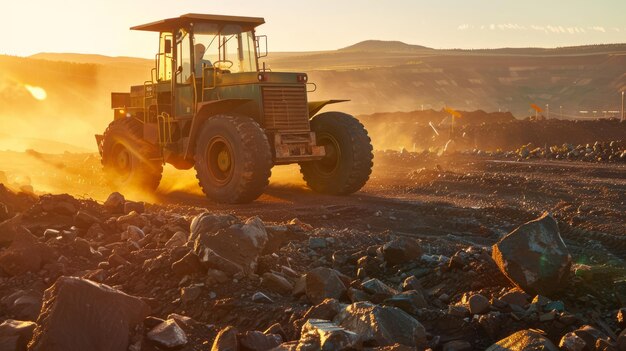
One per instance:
(211, 260)
(411, 283)
(258, 341)
(133, 233)
(517, 298)
(25, 254)
(368, 266)
(621, 341)
(459, 260)
(23, 304)
(130, 206)
(261, 298)
(115, 203)
(381, 325)
(327, 309)
(63, 204)
(534, 256)
(85, 220)
(97, 315)
(168, 335)
(478, 304)
(409, 301)
(524, 340)
(276, 283)
(323, 283)
(319, 334)
(240, 244)
(210, 223)
(376, 287)
(458, 311)
(317, 243)
(401, 250)
(226, 340)
(189, 264)
(190, 293)
(177, 240)
(457, 345)
(572, 342)
(14, 335)
(590, 335)
(133, 218)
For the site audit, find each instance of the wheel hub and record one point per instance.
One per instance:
(220, 160)
(223, 160)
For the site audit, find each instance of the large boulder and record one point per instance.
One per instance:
(401, 250)
(240, 243)
(323, 283)
(534, 256)
(381, 325)
(78, 314)
(524, 340)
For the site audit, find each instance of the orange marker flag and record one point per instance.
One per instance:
(536, 108)
(453, 112)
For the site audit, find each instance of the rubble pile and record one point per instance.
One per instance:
(122, 275)
(613, 151)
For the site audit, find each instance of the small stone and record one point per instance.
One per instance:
(317, 243)
(261, 298)
(517, 298)
(168, 334)
(546, 317)
(558, 306)
(226, 340)
(572, 342)
(190, 293)
(401, 250)
(115, 203)
(457, 345)
(177, 240)
(258, 341)
(458, 311)
(130, 206)
(478, 304)
(276, 283)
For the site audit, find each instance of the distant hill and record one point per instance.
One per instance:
(90, 58)
(384, 46)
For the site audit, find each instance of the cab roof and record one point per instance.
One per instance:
(172, 24)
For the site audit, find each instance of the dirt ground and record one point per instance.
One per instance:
(413, 193)
(447, 203)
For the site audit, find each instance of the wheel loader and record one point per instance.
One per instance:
(211, 106)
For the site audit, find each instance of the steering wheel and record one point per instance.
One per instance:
(223, 64)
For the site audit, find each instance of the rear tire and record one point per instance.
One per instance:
(348, 162)
(127, 159)
(233, 159)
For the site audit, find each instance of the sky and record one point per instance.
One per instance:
(101, 27)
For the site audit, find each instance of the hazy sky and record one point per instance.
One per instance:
(84, 26)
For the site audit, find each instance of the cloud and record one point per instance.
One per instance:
(548, 29)
(598, 29)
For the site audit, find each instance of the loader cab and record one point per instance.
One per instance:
(195, 51)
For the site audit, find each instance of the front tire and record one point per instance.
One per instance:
(127, 159)
(348, 162)
(233, 159)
